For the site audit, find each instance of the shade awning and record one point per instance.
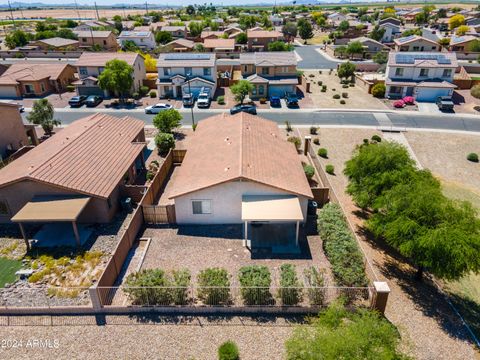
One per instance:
(51, 209)
(271, 208)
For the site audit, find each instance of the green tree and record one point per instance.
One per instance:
(305, 31)
(195, 28)
(15, 39)
(380, 57)
(444, 42)
(163, 37)
(190, 10)
(168, 120)
(164, 142)
(241, 38)
(355, 47)
(241, 89)
(441, 13)
(290, 31)
(462, 30)
(474, 46)
(377, 33)
(421, 18)
(343, 26)
(338, 333)
(67, 34)
(42, 114)
(455, 21)
(279, 46)
(117, 77)
(346, 70)
(130, 46)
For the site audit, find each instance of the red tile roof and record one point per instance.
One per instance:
(243, 146)
(89, 156)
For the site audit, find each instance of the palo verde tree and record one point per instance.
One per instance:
(241, 89)
(117, 77)
(346, 70)
(410, 212)
(42, 114)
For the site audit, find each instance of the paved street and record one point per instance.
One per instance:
(312, 59)
(303, 117)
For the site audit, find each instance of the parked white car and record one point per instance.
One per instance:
(155, 109)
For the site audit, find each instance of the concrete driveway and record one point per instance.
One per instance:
(428, 108)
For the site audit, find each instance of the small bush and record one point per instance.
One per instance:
(322, 152)
(345, 86)
(316, 282)
(228, 351)
(309, 171)
(70, 88)
(313, 130)
(334, 89)
(221, 100)
(164, 142)
(366, 141)
(153, 94)
(150, 175)
(330, 169)
(324, 87)
(136, 95)
(378, 90)
(263, 100)
(336, 96)
(351, 85)
(320, 83)
(213, 286)
(289, 292)
(475, 91)
(345, 95)
(255, 285)
(296, 141)
(311, 75)
(376, 138)
(399, 104)
(143, 90)
(473, 157)
(316, 141)
(343, 102)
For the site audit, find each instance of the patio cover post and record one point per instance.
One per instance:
(24, 235)
(75, 231)
(296, 233)
(245, 234)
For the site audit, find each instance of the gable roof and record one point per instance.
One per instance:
(101, 58)
(94, 34)
(231, 147)
(251, 34)
(423, 59)
(58, 42)
(456, 40)
(29, 71)
(227, 44)
(186, 59)
(182, 42)
(206, 34)
(412, 38)
(90, 156)
(279, 58)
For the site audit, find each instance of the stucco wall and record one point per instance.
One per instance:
(12, 130)
(226, 202)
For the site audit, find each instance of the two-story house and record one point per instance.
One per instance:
(415, 43)
(91, 64)
(258, 40)
(183, 73)
(392, 29)
(176, 31)
(106, 40)
(143, 39)
(462, 44)
(423, 75)
(271, 73)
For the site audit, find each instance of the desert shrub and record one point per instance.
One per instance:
(136, 95)
(351, 85)
(475, 91)
(144, 90)
(345, 95)
(334, 89)
(473, 157)
(378, 90)
(149, 287)
(330, 169)
(366, 141)
(316, 141)
(221, 100)
(345, 86)
(376, 138)
(311, 75)
(309, 171)
(336, 96)
(320, 83)
(255, 285)
(153, 94)
(322, 152)
(164, 142)
(213, 286)
(181, 281)
(289, 292)
(70, 88)
(313, 130)
(315, 282)
(295, 140)
(150, 175)
(228, 351)
(324, 88)
(340, 247)
(343, 102)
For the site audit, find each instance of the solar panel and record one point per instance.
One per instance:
(411, 58)
(187, 57)
(408, 38)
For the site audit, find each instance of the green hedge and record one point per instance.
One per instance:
(289, 291)
(255, 285)
(213, 286)
(340, 247)
(315, 283)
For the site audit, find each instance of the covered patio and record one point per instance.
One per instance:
(51, 209)
(272, 221)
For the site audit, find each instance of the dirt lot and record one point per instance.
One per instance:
(70, 13)
(357, 98)
(465, 102)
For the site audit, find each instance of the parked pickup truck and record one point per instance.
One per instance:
(445, 103)
(203, 100)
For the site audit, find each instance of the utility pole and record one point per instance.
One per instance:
(11, 14)
(96, 10)
(146, 8)
(78, 12)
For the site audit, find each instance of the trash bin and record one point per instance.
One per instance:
(127, 205)
(312, 207)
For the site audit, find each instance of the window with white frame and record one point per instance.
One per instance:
(399, 72)
(447, 73)
(201, 207)
(207, 71)
(188, 71)
(423, 72)
(166, 71)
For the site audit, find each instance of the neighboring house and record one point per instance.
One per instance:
(176, 31)
(370, 46)
(27, 79)
(462, 43)
(179, 45)
(93, 25)
(13, 133)
(276, 20)
(223, 47)
(91, 64)
(143, 39)
(423, 75)
(271, 73)
(104, 39)
(335, 18)
(183, 73)
(240, 179)
(392, 29)
(258, 40)
(211, 35)
(415, 43)
(233, 32)
(84, 166)
(57, 44)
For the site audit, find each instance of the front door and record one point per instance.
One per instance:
(410, 91)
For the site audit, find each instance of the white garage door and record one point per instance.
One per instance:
(8, 92)
(196, 89)
(431, 94)
(279, 90)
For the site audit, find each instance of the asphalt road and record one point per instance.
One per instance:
(312, 59)
(302, 117)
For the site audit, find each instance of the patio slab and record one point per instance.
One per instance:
(60, 234)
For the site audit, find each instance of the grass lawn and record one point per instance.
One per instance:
(317, 40)
(7, 270)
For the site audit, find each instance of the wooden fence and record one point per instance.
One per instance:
(159, 214)
(323, 176)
